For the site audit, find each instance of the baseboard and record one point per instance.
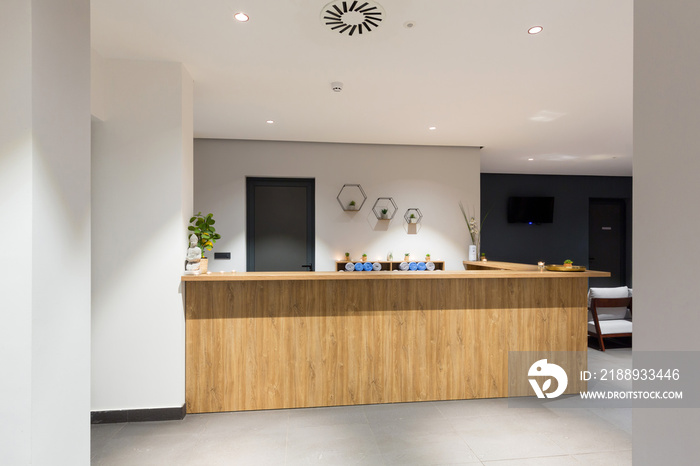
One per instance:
(138, 415)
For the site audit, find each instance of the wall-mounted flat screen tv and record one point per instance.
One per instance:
(532, 210)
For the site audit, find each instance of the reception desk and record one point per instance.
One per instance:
(267, 340)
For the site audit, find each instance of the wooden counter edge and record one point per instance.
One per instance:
(497, 265)
(395, 275)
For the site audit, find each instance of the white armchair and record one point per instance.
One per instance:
(609, 313)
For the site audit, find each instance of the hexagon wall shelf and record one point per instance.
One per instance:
(351, 193)
(417, 215)
(385, 203)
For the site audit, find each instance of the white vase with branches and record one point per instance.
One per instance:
(473, 227)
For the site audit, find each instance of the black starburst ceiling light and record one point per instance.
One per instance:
(349, 17)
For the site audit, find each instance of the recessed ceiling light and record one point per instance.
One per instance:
(242, 17)
(432, 128)
(269, 122)
(531, 160)
(534, 30)
(545, 116)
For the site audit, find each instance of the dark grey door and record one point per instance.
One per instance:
(280, 224)
(606, 241)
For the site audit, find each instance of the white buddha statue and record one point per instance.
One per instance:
(194, 255)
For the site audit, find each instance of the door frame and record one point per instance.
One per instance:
(622, 203)
(254, 181)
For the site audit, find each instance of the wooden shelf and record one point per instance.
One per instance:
(388, 265)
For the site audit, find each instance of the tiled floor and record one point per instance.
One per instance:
(488, 432)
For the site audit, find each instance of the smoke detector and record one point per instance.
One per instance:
(349, 17)
(337, 86)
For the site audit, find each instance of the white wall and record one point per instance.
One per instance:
(45, 212)
(187, 161)
(434, 179)
(98, 85)
(667, 212)
(141, 178)
(16, 208)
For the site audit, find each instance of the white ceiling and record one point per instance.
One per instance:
(469, 67)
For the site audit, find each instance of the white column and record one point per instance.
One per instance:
(45, 220)
(142, 199)
(666, 211)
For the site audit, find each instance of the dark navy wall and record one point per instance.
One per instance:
(567, 236)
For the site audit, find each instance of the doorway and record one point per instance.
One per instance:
(280, 224)
(607, 244)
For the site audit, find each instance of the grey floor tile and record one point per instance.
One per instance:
(615, 458)
(152, 450)
(541, 461)
(590, 435)
(242, 438)
(257, 448)
(411, 426)
(505, 437)
(401, 411)
(619, 417)
(310, 417)
(473, 408)
(339, 444)
(244, 421)
(100, 435)
(425, 449)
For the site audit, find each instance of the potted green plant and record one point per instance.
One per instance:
(352, 206)
(385, 214)
(406, 257)
(364, 257)
(412, 218)
(483, 256)
(347, 256)
(427, 257)
(203, 227)
(568, 263)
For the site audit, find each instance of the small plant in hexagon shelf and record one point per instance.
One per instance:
(352, 206)
(412, 218)
(385, 214)
(203, 227)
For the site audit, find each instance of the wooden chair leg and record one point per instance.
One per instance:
(600, 339)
